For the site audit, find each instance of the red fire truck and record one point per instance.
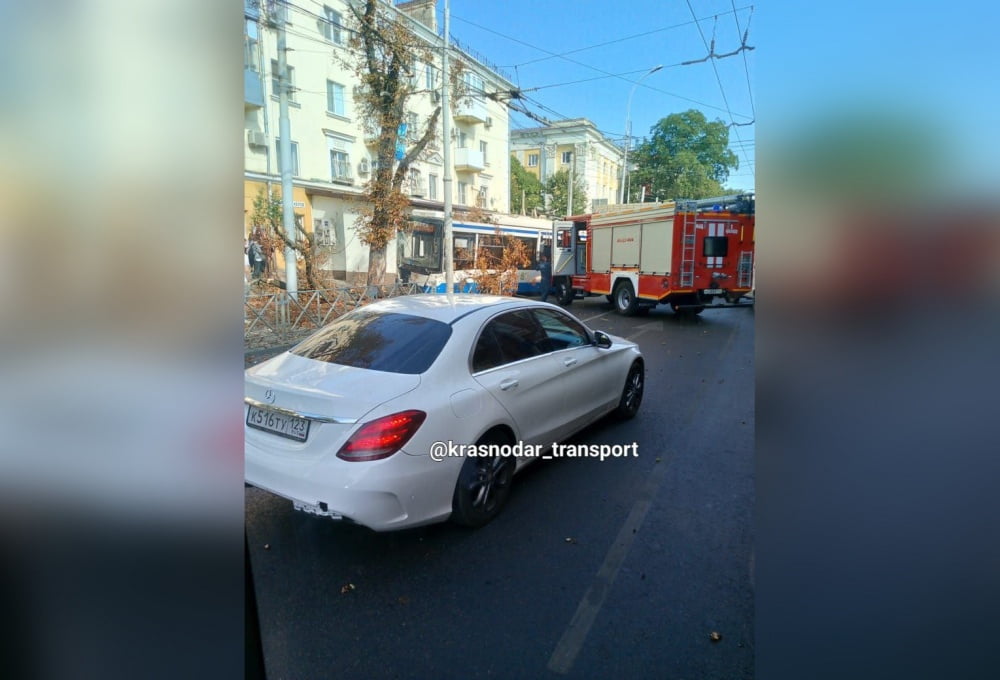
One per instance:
(682, 253)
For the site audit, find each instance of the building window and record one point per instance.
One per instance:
(416, 183)
(430, 79)
(463, 140)
(411, 127)
(483, 197)
(295, 157)
(463, 190)
(278, 11)
(567, 157)
(325, 232)
(335, 98)
(250, 44)
(482, 150)
(276, 84)
(340, 165)
(473, 83)
(432, 187)
(532, 160)
(332, 30)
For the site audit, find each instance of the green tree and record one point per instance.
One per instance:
(687, 156)
(557, 186)
(526, 186)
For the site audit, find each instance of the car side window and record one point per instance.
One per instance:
(561, 331)
(487, 353)
(508, 338)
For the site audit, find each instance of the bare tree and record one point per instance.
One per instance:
(385, 54)
(269, 230)
(497, 262)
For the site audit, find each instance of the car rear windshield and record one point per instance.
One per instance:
(390, 342)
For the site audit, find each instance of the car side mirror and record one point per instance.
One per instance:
(603, 339)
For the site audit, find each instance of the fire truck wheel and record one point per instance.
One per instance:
(628, 406)
(564, 293)
(624, 298)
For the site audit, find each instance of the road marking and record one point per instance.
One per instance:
(571, 642)
(598, 316)
(645, 328)
(576, 632)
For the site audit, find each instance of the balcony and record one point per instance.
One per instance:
(253, 90)
(469, 160)
(471, 110)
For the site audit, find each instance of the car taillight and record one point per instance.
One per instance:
(381, 438)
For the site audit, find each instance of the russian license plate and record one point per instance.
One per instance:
(278, 423)
(713, 291)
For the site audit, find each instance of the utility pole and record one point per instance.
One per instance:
(569, 192)
(628, 132)
(285, 154)
(449, 262)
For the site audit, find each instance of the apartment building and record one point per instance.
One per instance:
(544, 151)
(332, 155)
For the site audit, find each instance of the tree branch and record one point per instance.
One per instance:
(417, 148)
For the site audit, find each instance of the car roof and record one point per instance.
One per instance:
(437, 306)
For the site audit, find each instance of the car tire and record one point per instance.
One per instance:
(625, 300)
(631, 397)
(483, 485)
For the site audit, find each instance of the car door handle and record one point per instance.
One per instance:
(569, 362)
(508, 384)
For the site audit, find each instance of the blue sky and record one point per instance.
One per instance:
(551, 45)
(932, 67)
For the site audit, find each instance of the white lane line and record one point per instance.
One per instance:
(571, 642)
(645, 328)
(597, 316)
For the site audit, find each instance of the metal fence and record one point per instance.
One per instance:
(277, 318)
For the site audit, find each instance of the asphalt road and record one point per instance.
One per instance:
(595, 569)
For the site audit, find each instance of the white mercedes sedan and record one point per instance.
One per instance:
(364, 421)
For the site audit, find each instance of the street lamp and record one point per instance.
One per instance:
(628, 130)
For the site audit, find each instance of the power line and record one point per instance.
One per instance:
(718, 79)
(593, 68)
(746, 66)
(609, 42)
(585, 80)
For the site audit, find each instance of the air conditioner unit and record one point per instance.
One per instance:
(489, 121)
(363, 167)
(256, 138)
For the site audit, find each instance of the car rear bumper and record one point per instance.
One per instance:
(397, 492)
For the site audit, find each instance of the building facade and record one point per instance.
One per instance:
(577, 142)
(332, 155)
